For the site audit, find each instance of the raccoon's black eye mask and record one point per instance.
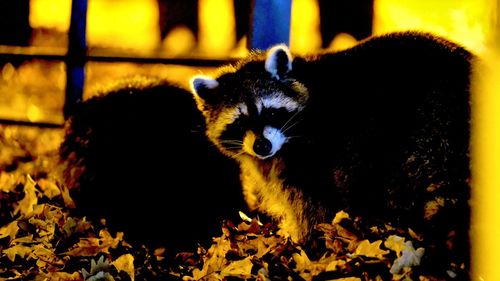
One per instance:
(275, 116)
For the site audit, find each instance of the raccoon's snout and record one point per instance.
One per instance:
(262, 147)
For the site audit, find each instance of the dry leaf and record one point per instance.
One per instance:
(339, 216)
(45, 256)
(49, 188)
(214, 260)
(9, 230)
(308, 269)
(8, 182)
(410, 257)
(88, 247)
(25, 205)
(302, 260)
(68, 201)
(17, 250)
(60, 276)
(367, 249)
(241, 268)
(125, 263)
(74, 225)
(335, 265)
(395, 243)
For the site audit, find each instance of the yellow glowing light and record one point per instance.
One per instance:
(342, 41)
(305, 34)
(216, 30)
(486, 170)
(464, 21)
(179, 41)
(33, 113)
(131, 24)
(241, 49)
(468, 22)
(50, 14)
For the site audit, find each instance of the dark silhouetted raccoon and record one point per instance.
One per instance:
(138, 156)
(380, 130)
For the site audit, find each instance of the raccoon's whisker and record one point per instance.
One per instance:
(231, 141)
(288, 121)
(291, 126)
(237, 154)
(234, 147)
(294, 137)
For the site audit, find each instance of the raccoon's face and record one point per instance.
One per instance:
(252, 110)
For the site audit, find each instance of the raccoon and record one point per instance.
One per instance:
(129, 155)
(380, 130)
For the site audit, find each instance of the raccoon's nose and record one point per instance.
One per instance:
(262, 146)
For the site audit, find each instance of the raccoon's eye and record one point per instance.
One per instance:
(232, 136)
(239, 125)
(275, 115)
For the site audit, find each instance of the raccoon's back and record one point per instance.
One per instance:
(387, 121)
(138, 156)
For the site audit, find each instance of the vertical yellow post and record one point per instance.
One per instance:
(305, 34)
(217, 27)
(486, 161)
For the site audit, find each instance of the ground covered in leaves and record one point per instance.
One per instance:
(40, 239)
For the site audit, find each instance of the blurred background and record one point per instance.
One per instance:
(178, 38)
(33, 89)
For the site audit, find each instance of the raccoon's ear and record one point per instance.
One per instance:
(278, 61)
(203, 86)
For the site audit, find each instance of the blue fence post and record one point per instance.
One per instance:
(270, 23)
(76, 56)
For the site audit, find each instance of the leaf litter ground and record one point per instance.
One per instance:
(40, 239)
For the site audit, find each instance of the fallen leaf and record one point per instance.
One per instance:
(60, 276)
(25, 206)
(8, 182)
(415, 235)
(335, 265)
(45, 256)
(214, 260)
(432, 207)
(241, 268)
(302, 261)
(410, 257)
(68, 201)
(367, 249)
(339, 216)
(91, 246)
(9, 230)
(75, 225)
(17, 250)
(395, 243)
(125, 263)
(49, 188)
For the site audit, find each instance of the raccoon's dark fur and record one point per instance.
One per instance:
(380, 130)
(138, 156)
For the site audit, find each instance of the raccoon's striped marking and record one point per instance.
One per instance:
(253, 124)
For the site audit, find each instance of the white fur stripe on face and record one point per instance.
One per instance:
(276, 137)
(277, 101)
